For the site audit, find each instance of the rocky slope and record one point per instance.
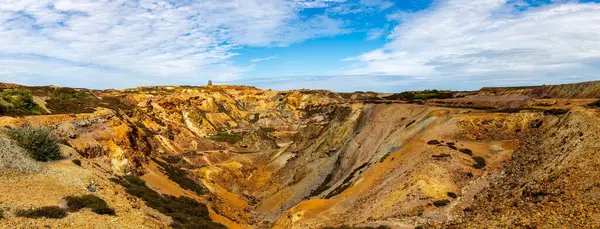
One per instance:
(512, 157)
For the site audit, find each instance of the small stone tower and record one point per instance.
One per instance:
(210, 83)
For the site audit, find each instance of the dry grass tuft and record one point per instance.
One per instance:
(16, 160)
(39, 142)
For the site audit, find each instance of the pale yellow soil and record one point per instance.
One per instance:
(61, 179)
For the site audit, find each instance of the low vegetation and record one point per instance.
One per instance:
(97, 204)
(353, 227)
(180, 177)
(479, 162)
(185, 212)
(466, 151)
(16, 160)
(556, 111)
(76, 162)
(452, 195)
(226, 137)
(451, 145)
(421, 95)
(595, 104)
(440, 203)
(18, 102)
(39, 142)
(52, 212)
(433, 142)
(69, 100)
(74, 101)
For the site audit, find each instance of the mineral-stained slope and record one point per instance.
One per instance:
(512, 157)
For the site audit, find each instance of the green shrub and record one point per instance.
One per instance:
(440, 203)
(433, 142)
(16, 160)
(421, 95)
(39, 142)
(18, 102)
(77, 162)
(595, 104)
(53, 212)
(451, 145)
(470, 174)
(452, 195)
(98, 205)
(556, 111)
(1, 214)
(353, 227)
(479, 162)
(466, 151)
(226, 137)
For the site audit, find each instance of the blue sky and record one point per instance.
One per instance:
(341, 45)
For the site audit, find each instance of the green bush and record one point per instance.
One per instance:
(433, 142)
(421, 95)
(595, 104)
(479, 162)
(440, 203)
(53, 212)
(452, 195)
(353, 227)
(39, 142)
(98, 205)
(77, 162)
(556, 111)
(226, 137)
(18, 102)
(467, 151)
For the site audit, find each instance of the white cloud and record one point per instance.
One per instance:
(317, 3)
(263, 59)
(466, 40)
(153, 41)
(381, 4)
(360, 7)
(375, 34)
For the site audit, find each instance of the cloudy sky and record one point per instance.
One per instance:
(342, 45)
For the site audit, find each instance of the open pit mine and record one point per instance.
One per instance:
(240, 157)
